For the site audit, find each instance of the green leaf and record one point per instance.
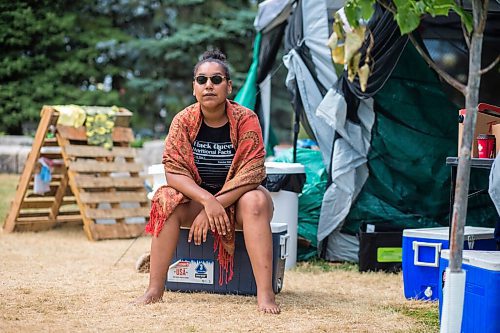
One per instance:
(366, 7)
(408, 19)
(466, 18)
(352, 14)
(401, 3)
(439, 10)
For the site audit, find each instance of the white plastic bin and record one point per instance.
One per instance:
(286, 205)
(158, 173)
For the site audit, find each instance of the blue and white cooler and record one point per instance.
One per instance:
(421, 249)
(195, 267)
(481, 311)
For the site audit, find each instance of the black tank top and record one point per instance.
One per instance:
(213, 155)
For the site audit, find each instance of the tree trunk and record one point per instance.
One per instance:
(479, 11)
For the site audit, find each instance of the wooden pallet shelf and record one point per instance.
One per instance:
(100, 187)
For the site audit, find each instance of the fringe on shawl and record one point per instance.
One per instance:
(157, 218)
(226, 261)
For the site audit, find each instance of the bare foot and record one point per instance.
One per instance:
(267, 303)
(149, 297)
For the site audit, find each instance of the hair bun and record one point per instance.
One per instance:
(214, 54)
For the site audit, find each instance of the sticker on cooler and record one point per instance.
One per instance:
(192, 271)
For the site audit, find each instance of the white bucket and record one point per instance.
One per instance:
(286, 206)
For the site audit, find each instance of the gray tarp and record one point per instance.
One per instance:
(326, 116)
(348, 166)
(271, 13)
(315, 36)
(348, 172)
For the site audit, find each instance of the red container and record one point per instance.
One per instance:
(486, 146)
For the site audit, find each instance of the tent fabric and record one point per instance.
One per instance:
(246, 96)
(272, 13)
(269, 46)
(395, 136)
(348, 170)
(341, 247)
(415, 130)
(256, 91)
(310, 67)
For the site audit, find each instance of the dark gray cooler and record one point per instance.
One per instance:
(195, 268)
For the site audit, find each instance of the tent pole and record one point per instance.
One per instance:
(296, 127)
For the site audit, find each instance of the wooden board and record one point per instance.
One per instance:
(103, 167)
(93, 151)
(100, 194)
(119, 134)
(91, 181)
(97, 186)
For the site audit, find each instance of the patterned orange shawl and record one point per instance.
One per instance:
(247, 168)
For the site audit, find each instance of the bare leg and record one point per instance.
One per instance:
(162, 251)
(254, 211)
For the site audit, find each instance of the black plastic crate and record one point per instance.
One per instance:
(380, 247)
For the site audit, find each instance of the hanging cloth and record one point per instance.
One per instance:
(70, 115)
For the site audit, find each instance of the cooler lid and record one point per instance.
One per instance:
(489, 260)
(442, 233)
(278, 227)
(273, 168)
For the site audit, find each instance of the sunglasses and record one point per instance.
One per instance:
(216, 79)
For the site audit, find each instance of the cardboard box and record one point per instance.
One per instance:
(484, 124)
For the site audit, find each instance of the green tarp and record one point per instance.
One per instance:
(415, 130)
(246, 96)
(309, 200)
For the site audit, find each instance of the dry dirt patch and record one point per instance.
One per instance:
(59, 281)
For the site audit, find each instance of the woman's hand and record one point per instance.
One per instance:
(217, 217)
(199, 228)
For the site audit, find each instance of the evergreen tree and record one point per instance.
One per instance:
(49, 56)
(169, 36)
(138, 54)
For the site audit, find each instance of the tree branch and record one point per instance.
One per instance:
(464, 31)
(388, 6)
(445, 76)
(490, 66)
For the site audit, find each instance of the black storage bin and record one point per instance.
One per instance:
(380, 248)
